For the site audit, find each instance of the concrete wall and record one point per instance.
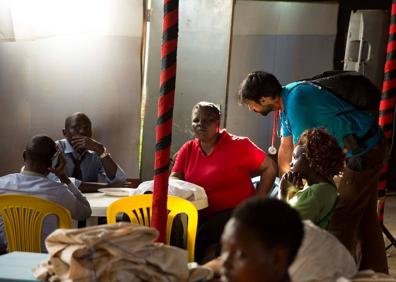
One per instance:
(291, 40)
(204, 34)
(42, 81)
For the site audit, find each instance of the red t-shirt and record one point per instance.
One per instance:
(225, 174)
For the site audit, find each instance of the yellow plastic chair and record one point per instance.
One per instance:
(23, 217)
(138, 208)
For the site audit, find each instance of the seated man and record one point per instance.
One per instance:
(33, 181)
(261, 241)
(85, 157)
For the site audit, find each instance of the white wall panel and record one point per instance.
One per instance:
(290, 40)
(45, 80)
(202, 61)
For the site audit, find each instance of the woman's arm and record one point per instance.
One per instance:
(285, 154)
(215, 266)
(284, 184)
(268, 172)
(290, 183)
(177, 175)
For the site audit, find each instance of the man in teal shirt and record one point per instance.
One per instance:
(304, 105)
(307, 105)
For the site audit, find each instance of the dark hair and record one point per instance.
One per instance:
(40, 149)
(259, 84)
(215, 109)
(274, 222)
(69, 119)
(322, 151)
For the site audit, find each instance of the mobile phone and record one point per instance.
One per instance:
(55, 159)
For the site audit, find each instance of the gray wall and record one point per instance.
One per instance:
(204, 34)
(43, 81)
(291, 40)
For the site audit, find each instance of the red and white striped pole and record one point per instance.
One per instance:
(170, 26)
(387, 104)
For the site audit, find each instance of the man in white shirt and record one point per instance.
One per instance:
(86, 158)
(32, 180)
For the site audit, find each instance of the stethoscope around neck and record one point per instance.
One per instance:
(272, 149)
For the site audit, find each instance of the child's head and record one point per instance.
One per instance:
(319, 151)
(260, 241)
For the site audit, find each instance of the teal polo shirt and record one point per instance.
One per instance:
(310, 106)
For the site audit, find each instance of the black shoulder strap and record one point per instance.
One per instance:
(352, 87)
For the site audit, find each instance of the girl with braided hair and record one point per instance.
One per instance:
(317, 158)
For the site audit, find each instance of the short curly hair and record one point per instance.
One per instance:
(322, 151)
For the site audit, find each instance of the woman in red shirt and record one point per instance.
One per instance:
(223, 165)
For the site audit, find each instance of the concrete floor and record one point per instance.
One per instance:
(390, 224)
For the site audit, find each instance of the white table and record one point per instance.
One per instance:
(100, 201)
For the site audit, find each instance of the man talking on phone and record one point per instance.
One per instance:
(32, 180)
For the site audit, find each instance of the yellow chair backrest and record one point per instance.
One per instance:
(138, 209)
(23, 217)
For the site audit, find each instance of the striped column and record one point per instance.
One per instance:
(387, 104)
(170, 28)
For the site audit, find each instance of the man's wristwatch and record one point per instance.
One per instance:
(105, 153)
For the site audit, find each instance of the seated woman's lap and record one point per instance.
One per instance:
(210, 229)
